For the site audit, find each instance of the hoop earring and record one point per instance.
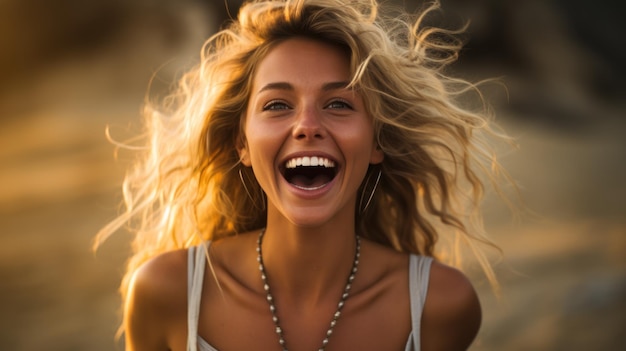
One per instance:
(362, 208)
(254, 202)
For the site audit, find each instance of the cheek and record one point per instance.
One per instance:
(261, 142)
(359, 139)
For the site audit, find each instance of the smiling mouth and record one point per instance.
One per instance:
(309, 173)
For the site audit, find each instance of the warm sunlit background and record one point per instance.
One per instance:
(70, 68)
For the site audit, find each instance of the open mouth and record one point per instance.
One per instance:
(309, 173)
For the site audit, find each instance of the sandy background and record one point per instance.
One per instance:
(71, 70)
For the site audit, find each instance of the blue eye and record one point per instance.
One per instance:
(275, 105)
(339, 104)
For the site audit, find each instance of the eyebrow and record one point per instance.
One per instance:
(289, 87)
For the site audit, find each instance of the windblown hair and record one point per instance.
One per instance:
(187, 187)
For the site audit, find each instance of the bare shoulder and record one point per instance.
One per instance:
(156, 300)
(162, 277)
(452, 313)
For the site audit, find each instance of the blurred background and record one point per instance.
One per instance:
(70, 68)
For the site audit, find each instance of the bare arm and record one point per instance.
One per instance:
(452, 313)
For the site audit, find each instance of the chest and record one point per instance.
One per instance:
(376, 318)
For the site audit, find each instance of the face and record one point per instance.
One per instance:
(308, 137)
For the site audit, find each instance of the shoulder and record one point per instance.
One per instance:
(161, 276)
(452, 314)
(156, 299)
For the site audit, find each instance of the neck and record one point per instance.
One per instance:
(306, 265)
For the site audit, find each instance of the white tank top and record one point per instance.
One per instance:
(419, 272)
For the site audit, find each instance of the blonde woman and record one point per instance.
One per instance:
(294, 187)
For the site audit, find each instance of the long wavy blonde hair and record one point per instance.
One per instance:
(187, 188)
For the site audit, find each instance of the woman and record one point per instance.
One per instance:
(292, 195)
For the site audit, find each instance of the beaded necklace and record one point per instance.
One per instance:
(342, 301)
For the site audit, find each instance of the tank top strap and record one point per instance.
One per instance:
(196, 262)
(419, 275)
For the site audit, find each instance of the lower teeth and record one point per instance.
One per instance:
(309, 188)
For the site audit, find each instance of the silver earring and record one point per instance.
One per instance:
(262, 207)
(362, 208)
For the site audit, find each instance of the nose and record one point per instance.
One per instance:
(308, 125)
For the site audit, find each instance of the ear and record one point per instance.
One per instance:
(242, 150)
(377, 156)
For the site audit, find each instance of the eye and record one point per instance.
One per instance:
(275, 105)
(339, 104)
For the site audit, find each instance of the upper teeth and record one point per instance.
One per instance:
(313, 161)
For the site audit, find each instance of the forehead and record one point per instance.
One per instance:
(303, 60)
